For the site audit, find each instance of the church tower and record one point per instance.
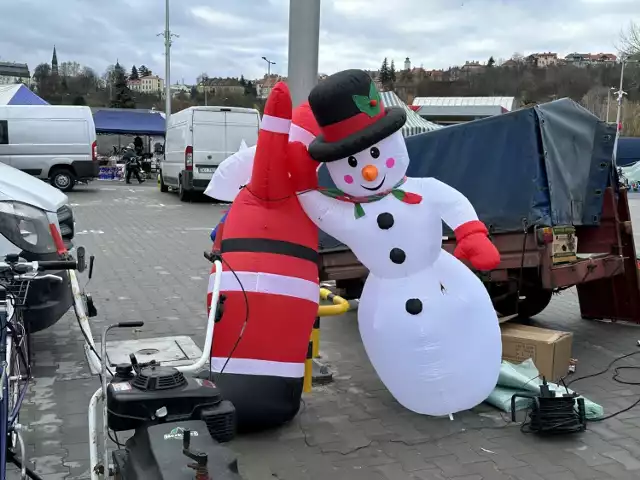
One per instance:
(54, 62)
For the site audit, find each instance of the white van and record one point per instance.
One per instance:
(55, 143)
(198, 140)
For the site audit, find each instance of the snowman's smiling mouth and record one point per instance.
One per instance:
(373, 189)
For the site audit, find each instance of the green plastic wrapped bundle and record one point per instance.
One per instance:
(524, 377)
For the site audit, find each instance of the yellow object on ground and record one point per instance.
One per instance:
(340, 306)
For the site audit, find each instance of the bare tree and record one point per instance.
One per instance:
(70, 69)
(109, 75)
(595, 100)
(517, 57)
(629, 44)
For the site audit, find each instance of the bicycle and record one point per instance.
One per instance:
(15, 278)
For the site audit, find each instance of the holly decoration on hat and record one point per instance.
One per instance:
(370, 104)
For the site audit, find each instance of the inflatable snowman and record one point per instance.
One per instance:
(426, 320)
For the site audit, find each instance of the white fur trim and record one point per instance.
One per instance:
(275, 124)
(251, 366)
(299, 134)
(268, 283)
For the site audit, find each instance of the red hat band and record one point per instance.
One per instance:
(343, 129)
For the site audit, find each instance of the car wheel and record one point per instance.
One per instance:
(64, 180)
(163, 188)
(183, 195)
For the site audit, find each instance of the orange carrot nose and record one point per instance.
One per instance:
(370, 173)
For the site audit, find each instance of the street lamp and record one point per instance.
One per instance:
(609, 101)
(204, 88)
(620, 94)
(167, 65)
(269, 63)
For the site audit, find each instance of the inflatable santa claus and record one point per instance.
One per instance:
(270, 275)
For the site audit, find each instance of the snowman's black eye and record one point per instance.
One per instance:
(352, 162)
(375, 153)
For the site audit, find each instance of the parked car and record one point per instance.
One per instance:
(27, 208)
(198, 139)
(54, 143)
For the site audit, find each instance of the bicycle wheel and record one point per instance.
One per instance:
(4, 414)
(17, 358)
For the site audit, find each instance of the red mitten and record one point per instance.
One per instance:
(303, 168)
(475, 246)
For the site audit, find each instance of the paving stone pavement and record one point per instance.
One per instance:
(149, 266)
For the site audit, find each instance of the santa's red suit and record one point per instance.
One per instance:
(270, 278)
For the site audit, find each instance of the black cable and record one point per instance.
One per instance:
(615, 378)
(114, 440)
(246, 317)
(554, 415)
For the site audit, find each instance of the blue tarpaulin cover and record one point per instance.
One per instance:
(628, 151)
(129, 122)
(545, 165)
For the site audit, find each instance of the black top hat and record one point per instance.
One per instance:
(349, 112)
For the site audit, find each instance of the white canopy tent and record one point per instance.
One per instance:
(415, 123)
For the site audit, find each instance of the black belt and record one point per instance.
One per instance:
(265, 245)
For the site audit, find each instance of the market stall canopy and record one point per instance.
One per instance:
(19, 94)
(464, 106)
(415, 124)
(122, 121)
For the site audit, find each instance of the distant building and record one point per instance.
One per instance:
(542, 60)
(407, 64)
(151, 84)
(473, 67)
(436, 75)
(220, 86)
(14, 73)
(266, 84)
(588, 59)
(179, 88)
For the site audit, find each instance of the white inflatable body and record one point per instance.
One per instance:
(447, 357)
(233, 173)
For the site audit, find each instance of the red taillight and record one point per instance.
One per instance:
(188, 158)
(545, 235)
(94, 151)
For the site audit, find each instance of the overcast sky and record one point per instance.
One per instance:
(229, 37)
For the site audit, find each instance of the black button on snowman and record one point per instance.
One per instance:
(385, 221)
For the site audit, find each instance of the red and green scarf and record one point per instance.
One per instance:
(406, 197)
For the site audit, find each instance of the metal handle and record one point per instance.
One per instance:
(130, 324)
(186, 439)
(513, 402)
(92, 259)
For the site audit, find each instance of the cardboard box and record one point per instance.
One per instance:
(550, 350)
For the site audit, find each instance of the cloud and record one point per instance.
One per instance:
(229, 38)
(220, 19)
